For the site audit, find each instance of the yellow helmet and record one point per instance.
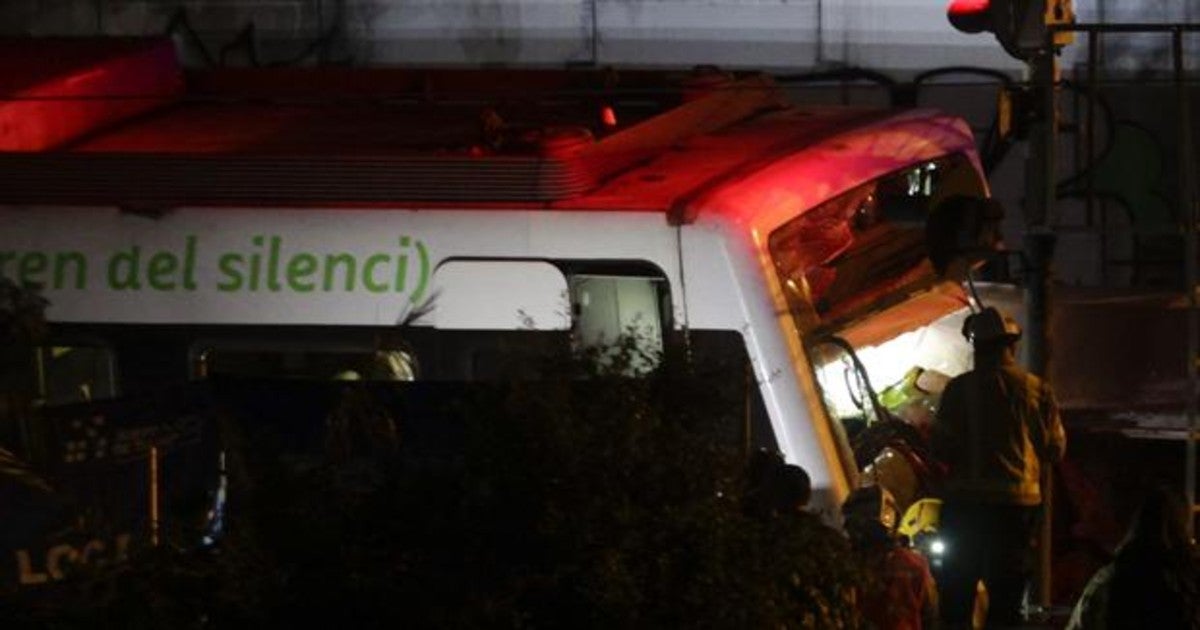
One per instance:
(923, 516)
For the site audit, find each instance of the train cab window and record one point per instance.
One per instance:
(857, 250)
(881, 388)
(877, 319)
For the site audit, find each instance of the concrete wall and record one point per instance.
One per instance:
(898, 36)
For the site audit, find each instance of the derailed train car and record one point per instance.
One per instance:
(296, 222)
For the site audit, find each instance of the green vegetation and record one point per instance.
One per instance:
(581, 498)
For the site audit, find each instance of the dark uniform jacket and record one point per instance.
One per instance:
(994, 429)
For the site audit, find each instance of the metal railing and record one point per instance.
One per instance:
(1188, 199)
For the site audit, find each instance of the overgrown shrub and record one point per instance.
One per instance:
(584, 498)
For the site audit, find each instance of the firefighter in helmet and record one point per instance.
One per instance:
(996, 426)
(899, 591)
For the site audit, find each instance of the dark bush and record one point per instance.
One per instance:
(584, 498)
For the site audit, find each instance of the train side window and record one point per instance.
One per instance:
(606, 308)
(721, 354)
(497, 294)
(303, 361)
(75, 373)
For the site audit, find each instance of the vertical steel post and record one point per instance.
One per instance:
(1187, 214)
(1041, 191)
(1047, 76)
(1090, 151)
(1039, 252)
(595, 43)
(153, 490)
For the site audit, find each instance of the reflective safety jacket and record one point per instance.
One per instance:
(993, 430)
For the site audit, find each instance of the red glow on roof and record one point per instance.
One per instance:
(788, 186)
(55, 90)
(409, 137)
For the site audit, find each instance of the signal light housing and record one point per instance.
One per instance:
(1020, 26)
(969, 16)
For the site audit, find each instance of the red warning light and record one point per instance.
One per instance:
(969, 16)
(608, 116)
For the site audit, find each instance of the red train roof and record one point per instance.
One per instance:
(102, 122)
